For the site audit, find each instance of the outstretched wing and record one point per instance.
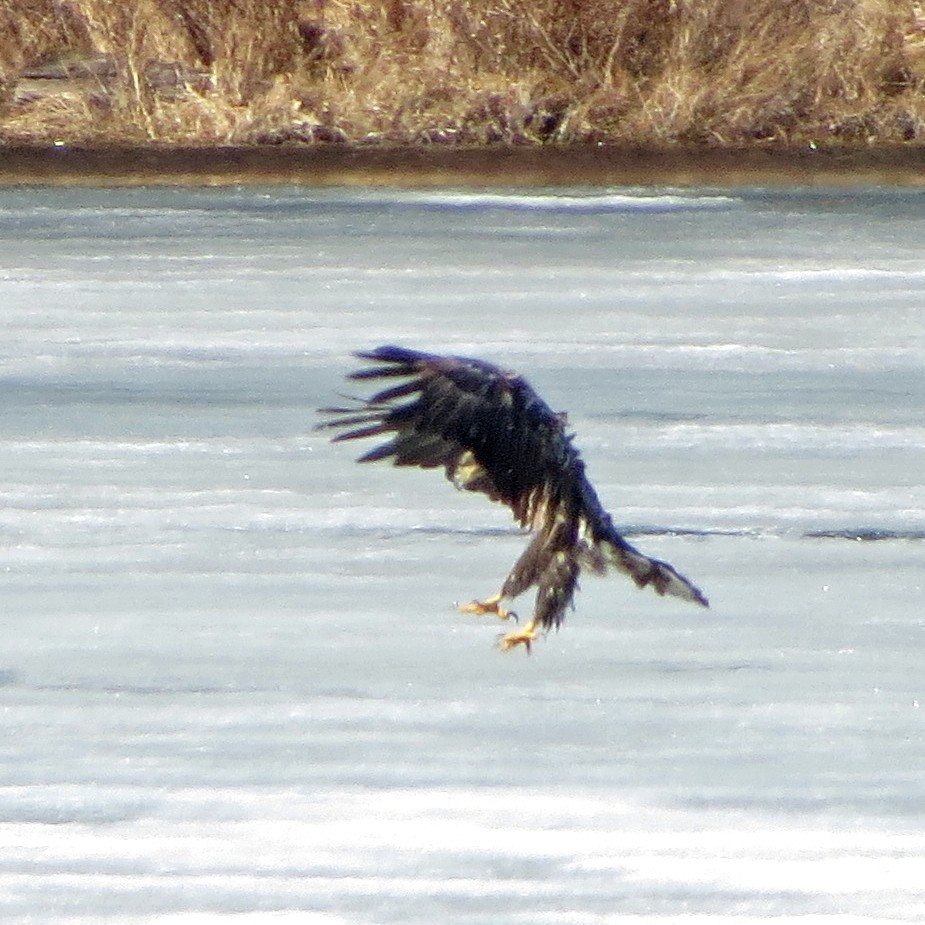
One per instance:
(487, 427)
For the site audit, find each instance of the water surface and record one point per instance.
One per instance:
(233, 680)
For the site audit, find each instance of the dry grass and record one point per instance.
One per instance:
(719, 72)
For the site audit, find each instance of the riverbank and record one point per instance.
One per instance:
(340, 165)
(644, 74)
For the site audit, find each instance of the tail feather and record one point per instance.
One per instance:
(664, 578)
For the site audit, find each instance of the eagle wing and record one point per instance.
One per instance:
(489, 430)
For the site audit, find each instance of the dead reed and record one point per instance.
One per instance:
(474, 72)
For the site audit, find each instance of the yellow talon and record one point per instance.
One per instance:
(492, 605)
(522, 637)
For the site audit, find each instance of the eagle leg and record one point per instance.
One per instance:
(491, 605)
(523, 637)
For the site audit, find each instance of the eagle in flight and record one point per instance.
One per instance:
(493, 434)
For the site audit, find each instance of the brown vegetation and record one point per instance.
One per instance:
(475, 72)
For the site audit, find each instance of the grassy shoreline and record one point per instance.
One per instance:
(651, 74)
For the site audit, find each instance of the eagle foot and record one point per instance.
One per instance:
(492, 605)
(522, 637)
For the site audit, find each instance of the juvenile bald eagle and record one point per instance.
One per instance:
(493, 434)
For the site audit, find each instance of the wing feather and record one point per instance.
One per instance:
(398, 391)
(373, 430)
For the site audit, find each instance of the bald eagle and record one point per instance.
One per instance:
(493, 434)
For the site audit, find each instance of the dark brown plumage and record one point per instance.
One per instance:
(493, 434)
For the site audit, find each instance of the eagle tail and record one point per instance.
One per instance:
(664, 578)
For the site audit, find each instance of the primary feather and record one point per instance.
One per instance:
(493, 434)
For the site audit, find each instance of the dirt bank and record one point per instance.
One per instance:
(441, 166)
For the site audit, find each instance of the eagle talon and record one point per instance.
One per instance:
(492, 605)
(522, 637)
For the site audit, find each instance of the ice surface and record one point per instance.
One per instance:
(233, 682)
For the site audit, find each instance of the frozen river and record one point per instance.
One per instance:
(232, 680)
